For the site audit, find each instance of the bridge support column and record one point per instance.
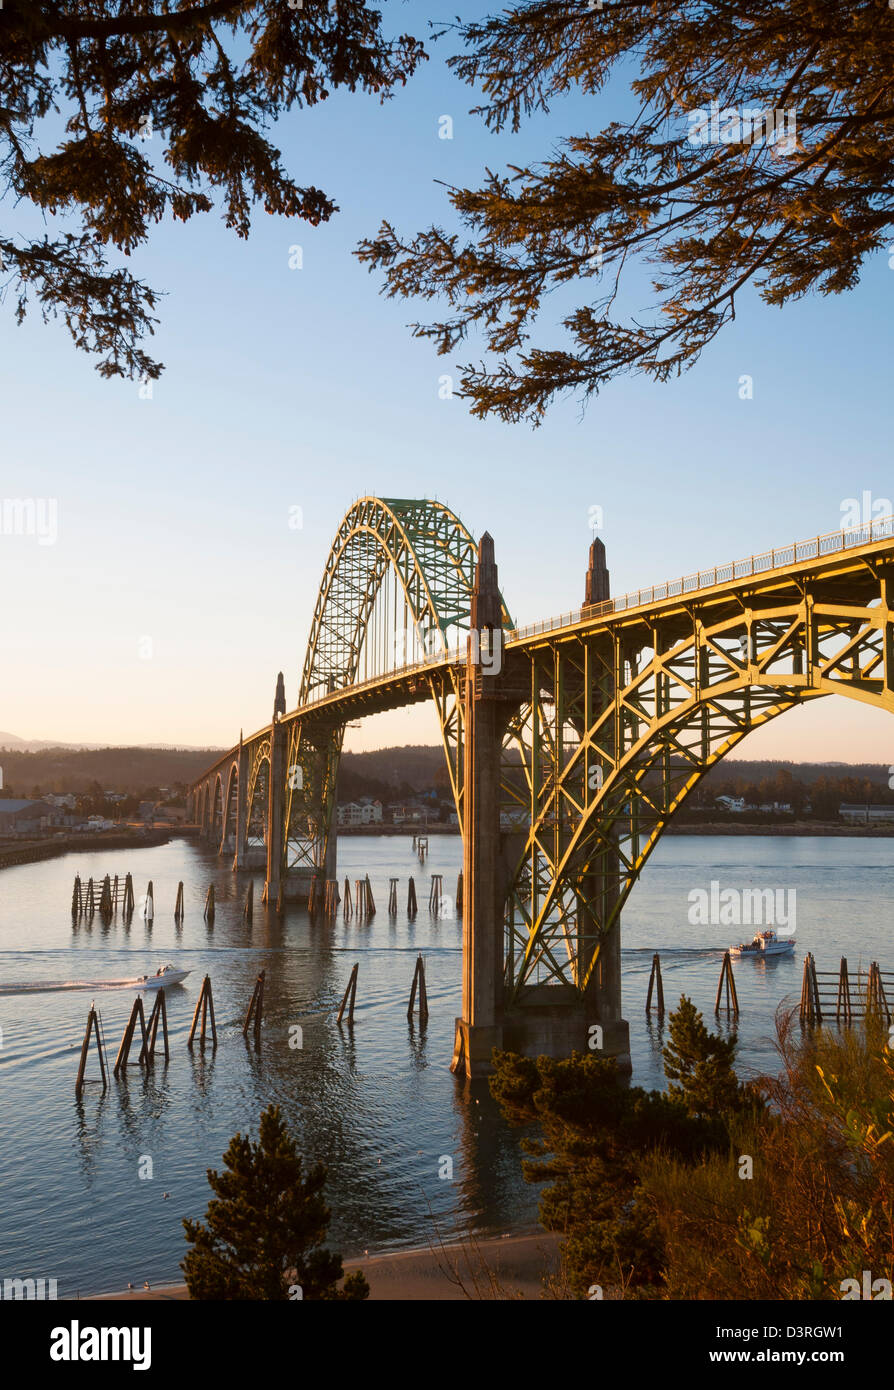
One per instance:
(276, 799)
(241, 808)
(480, 1029)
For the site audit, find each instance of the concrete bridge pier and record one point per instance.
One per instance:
(488, 705)
(241, 807)
(276, 799)
(550, 1019)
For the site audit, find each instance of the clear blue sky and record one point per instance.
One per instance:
(304, 388)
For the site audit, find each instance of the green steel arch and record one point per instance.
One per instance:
(433, 557)
(397, 586)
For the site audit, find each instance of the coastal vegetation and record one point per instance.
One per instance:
(265, 1227)
(777, 1188)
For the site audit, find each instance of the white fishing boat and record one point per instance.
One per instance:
(164, 976)
(765, 943)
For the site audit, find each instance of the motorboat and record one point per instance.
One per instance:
(765, 943)
(164, 976)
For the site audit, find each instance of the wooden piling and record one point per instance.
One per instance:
(459, 891)
(76, 899)
(248, 907)
(91, 903)
(418, 979)
(412, 907)
(435, 893)
(876, 999)
(209, 907)
(255, 1008)
(843, 1006)
(124, 1050)
(149, 907)
(726, 977)
(92, 1027)
(655, 982)
(810, 1010)
(105, 900)
(178, 906)
(348, 907)
(159, 1012)
(205, 1006)
(370, 900)
(128, 897)
(392, 897)
(352, 992)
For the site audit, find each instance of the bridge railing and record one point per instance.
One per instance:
(450, 656)
(782, 557)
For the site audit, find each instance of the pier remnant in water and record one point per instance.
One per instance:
(392, 897)
(726, 976)
(435, 894)
(248, 906)
(121, 1061)
(128, 898)
(412, 907)
(178, 905)
(255, 1009)
(159, 1011)
(419, 979)
(656, 981)
(205, 1006)
(810, 1010)
(92, 1027)
(352, 992)
(209, 907)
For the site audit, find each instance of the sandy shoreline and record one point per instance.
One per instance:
(498, 1268)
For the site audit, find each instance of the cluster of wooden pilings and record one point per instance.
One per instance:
(418, 995)
(826, 995)
(727, 999)
(358, 903)
(105, 897)
(420, 845)
(846, 998)
(203, 1023)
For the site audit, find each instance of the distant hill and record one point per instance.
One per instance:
(133, 770)
(390, 774)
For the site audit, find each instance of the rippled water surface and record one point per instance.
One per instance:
(376, 1103)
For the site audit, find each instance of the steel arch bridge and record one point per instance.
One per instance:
(568, 756)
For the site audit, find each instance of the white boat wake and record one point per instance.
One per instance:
(57, 986)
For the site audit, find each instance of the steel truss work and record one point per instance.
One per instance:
(628, 713)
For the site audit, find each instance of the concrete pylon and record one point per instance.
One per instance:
(598, 587)
(241, 807)
(276, 797)
(479, 1030)
(603, 995)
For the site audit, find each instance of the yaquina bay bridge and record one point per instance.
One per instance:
(570, 744)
